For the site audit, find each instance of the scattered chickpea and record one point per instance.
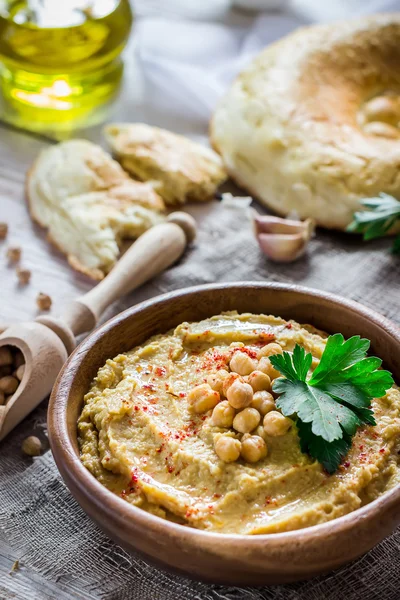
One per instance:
(264, 402)
(6, 357)
(242, 364)
(228, 381)
(24, 276)
(202, 398)
(253, 449)
(246, 420)
(216, 380)
(275, 424)
(2, 398)
(239, 394)
(14, 254)
(259, 381)
(227, 448)
(270, 350)
(43, 301)
(266, 367)
(3, 231)
(223, 415)
(8, 384)
(32, 446)
(19, 373)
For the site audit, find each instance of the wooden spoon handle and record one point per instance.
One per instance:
(151, 254)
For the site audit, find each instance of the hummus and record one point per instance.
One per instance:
(140, 437)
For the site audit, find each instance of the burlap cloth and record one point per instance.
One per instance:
(58, 545)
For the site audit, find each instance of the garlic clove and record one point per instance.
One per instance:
(282, 247)
(282, 240)
(269, 224)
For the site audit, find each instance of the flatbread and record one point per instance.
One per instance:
(88, 204)
(184, 170)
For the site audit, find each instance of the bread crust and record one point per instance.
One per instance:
(184, 170)
(119, 191)
(297, 143)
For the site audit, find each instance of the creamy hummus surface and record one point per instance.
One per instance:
(140, 437)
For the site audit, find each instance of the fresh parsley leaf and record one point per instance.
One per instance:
(346, 374)
(338, 355)
(330, 455)
(294, 368)
(327, 416)
(335, 400)
(376, 222)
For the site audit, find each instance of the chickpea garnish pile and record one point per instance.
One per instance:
(12, 367)
(240, 400)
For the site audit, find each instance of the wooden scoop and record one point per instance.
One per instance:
(47, 341)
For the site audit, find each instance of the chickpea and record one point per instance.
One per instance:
(223, 415)
(239, 394)
(246, 420)
(260, 431)
(382, 108)
(275, 424)
(32, 446)
(227, 448)
(228, 381)
(19, 373)
(202, 398)
(14, 253)
(242, 363)
(266, 367)
(259, 381)
(216, 380)
(264, 402)
(24, 276)
(8, 384)
(43, 301)
(269, 350)
(253, 449)
(3, 231)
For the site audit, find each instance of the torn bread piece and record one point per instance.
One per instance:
(88, 204)
(184, 170)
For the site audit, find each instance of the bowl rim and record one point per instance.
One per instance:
(97, 494)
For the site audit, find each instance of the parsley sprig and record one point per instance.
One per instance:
(384, 211)
(335, 401)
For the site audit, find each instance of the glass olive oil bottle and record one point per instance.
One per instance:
(60, 60)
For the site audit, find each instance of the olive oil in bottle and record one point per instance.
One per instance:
(60, 60)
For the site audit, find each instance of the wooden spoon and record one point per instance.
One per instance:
(47, 341)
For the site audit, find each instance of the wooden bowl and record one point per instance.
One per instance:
(220, 558)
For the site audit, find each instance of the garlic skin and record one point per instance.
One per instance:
(282, 240)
